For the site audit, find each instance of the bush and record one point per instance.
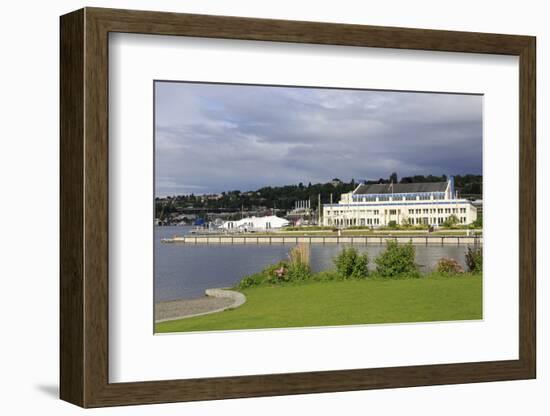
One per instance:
(298, 263)
(326, 275)
(295, 269)
(352, 265)
(451, 221)
(478, 223)
(274, 273)
(397, 261)
(474, 259)
(447, 265)
(392, 224)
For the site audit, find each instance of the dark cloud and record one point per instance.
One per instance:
(215, 137)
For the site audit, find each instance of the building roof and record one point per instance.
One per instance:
(400, 188)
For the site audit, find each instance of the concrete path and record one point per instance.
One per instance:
(216, 300)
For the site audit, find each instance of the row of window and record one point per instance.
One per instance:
(375, 221)
(416, 211)
(363, 211)
(432, 220)
(422, 197)
(439, 211)
(354, 221)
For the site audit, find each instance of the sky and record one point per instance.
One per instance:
(211, 138)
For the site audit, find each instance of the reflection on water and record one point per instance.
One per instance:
(185, 271)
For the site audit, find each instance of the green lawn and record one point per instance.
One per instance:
(345, 303)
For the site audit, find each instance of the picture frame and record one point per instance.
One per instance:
(84, 216)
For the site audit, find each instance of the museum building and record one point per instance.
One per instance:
(379, 205)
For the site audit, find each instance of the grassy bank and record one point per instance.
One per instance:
(367, 301)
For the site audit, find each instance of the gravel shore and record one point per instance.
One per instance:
(189, 307)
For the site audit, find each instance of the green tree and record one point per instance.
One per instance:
(397, 261)
(451, 221)
(352, 265)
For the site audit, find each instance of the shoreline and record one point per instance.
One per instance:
(215, 300)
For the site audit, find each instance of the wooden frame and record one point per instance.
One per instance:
(84, 207)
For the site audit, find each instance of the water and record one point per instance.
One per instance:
(185, 271)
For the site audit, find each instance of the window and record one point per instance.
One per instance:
(393, 212)
(425, 210)
(411, 211)
(454, 210)
(418, 211)
(440, 210)
(375, 212)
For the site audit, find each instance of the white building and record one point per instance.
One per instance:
(405, 203)
(267, 223)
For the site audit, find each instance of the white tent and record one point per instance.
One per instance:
(256, 223)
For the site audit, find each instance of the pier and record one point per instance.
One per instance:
(358, 240)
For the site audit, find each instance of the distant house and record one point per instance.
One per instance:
(336, 182)
(270, 222)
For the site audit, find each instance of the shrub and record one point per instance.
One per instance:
(474, 259)
(352, 265)
(326, 275)
(478, 223)
(451, 221)
(447, 265)
(275, 273)
(397, 261)
(392, 224)
(250, 281)
(298, 272)
(298, 263)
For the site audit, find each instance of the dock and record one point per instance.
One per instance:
(358, 240)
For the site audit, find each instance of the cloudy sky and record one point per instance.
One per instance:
(211, 138)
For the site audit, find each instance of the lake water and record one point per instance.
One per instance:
(185, 271)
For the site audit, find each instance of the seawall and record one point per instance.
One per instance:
(365, 240)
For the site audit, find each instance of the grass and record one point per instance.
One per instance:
(330, 303)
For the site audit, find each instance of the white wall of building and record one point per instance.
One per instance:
(424, 210)
(378, 215)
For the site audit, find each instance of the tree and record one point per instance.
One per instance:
(478, 223)
(393, 177)
(451, 221)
